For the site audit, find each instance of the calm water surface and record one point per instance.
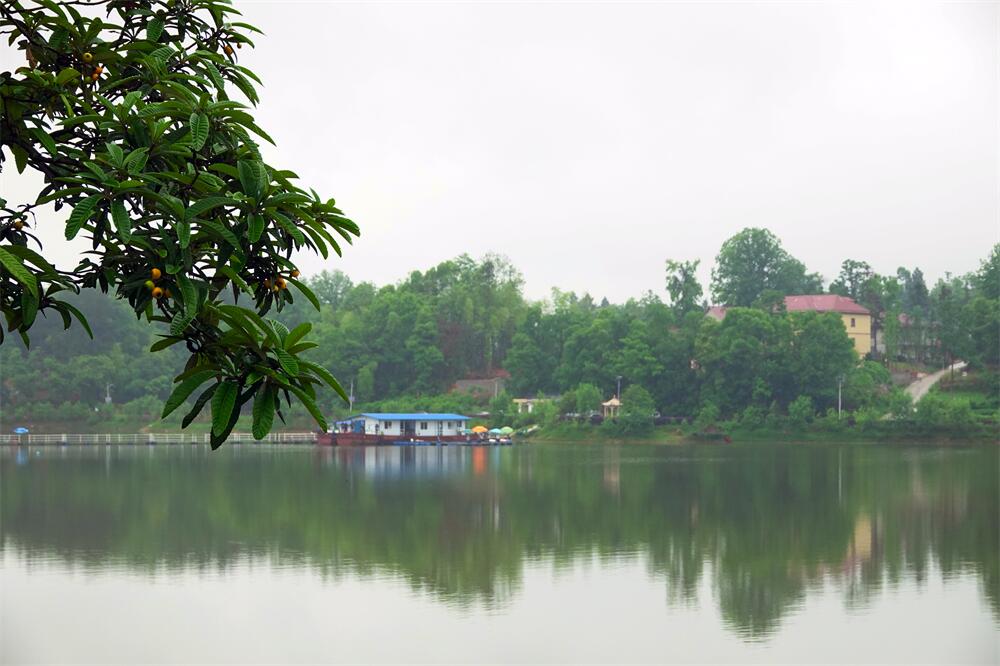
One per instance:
(759, 553)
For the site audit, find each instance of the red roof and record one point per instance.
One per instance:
(717, 312)
(823, 303)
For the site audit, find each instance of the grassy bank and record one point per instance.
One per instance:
(886, 431)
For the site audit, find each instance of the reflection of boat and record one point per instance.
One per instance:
(419, 428)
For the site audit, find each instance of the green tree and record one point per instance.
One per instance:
(821, 353)
(502, 410)
(749, 348)
(987, 278)
(588, 399)
(752, 262)
(636, 401)
(801, 410)
(683, 286)
(982, 319)
(853, 278)
(132, 122)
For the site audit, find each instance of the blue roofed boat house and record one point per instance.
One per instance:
(405, 424)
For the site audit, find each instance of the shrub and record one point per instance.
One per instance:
(752, 417)
(801, 411)
(935, 412)
(707, 416)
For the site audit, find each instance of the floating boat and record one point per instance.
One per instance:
(401, 429)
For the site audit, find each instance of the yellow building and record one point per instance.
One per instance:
(857, 319)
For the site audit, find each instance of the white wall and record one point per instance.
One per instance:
(432, 429)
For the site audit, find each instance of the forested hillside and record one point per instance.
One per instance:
(468, 318)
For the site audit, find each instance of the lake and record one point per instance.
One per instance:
(540, 553)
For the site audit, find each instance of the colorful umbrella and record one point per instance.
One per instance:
(479, 429)
(506, 430)
(496, 431)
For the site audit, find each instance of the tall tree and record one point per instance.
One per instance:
(754, 261)
(853, 278)
(683, 286)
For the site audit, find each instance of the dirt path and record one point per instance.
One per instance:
(919, 388)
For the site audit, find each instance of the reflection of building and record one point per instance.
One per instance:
(394, 462)
(864, 542)
(612, 408)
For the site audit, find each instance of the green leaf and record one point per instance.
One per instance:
(189, 294)
(310, 405)
(224, 233)
(254, 318)
(123, 224)
(306, 291)
(279, 328)
(81, 213)
(46, 140)
(215, 75)
(263, 412)
(29, 308)
(19, 272)
(164, 343)
(136, 160)
(207, 204)
(20, 157)
(79, 317)
(199, 130)
(297, 334)
(32, 257)
(235, 278)
(199, 404)
(116, 154)
(327, 377)
(290, 227)
(183, 229)
(179, 323)
(66, 75)
(222, 405)
(255, 228)
(252, 177)
(154, 29)
(184, 389)
(288, 362)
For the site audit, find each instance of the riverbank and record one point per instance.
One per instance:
(673, 435)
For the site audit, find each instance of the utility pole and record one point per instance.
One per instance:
(350, 401)
(619, 394)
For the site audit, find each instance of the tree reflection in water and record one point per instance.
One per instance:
(767, 523)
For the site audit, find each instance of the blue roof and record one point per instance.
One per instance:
(381, 416)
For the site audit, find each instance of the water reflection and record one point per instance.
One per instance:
(764, 526)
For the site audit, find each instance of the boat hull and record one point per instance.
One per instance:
(365, 439)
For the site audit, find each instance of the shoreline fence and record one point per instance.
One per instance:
(67, 439)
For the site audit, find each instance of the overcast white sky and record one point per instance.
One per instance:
(590, 142)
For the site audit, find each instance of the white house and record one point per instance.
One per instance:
(406, 425)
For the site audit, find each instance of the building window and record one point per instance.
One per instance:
(449, 424)
(853, 324)
(423, 425)
(388, 424)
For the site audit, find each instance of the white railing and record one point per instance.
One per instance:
(159, 438)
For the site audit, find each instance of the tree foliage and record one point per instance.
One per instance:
(683, 286)
(752, 262)
(134, 121)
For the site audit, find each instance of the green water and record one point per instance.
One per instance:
(758, 553)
